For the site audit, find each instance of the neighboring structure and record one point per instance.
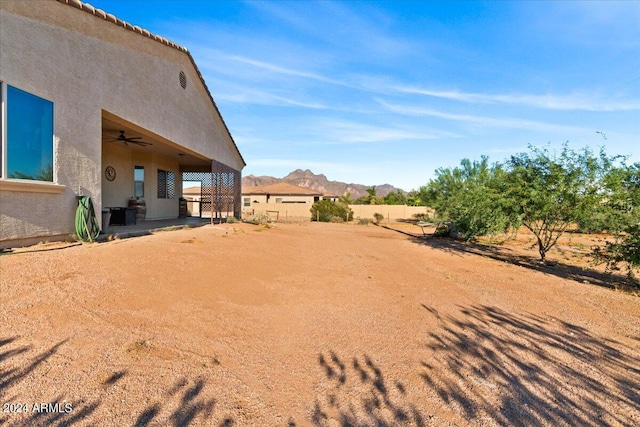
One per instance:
(199, 204)
(289, 202)
(94, 106)
(281, 192)
(194, 196)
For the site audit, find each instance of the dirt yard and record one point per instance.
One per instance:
(310, 324)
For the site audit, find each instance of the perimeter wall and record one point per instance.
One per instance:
(301, 211)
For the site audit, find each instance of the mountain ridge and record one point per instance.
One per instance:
(319, 182)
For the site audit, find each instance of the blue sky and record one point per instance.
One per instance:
(375, 92)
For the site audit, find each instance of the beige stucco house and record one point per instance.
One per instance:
(280, 192)
(94, 106)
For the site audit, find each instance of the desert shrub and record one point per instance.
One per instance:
(378, 217)
(260, 218)
(364, 221)
(469, 196)
(624, 250)
(422, 217)
(232, 220)
(324, 210)
(336, 219)
(447, 229)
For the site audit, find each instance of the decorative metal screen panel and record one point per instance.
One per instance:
(171, 185)
(226, 190)
(220, 190)
(166, 184)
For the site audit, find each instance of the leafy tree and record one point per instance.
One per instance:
(620, 214)
(370, 199)
(326, 210)
(469, 197)
(414, 198)
(346, 199)
(624, 249)
(547, 193)
(395, 198)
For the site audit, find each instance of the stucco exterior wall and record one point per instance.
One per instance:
(84, 65)
(302, 211)
(118, 192)
(299, 211)
(261, 198)
(291, 199)
(389, 211)
(255, 199)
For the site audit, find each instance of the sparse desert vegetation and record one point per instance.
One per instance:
(317, 324)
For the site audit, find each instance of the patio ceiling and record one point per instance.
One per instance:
(112, 125)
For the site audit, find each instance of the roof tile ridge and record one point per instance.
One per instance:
(114, 19)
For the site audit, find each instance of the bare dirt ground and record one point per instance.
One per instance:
(311, 324)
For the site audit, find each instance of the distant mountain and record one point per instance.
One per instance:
(320, 183)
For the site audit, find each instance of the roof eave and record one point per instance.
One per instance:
(136, 29)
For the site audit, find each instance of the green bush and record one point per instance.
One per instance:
(378, 217)
(422, 217)
(336, 219)
(624, 250)
(232, 220)
(364, 221)
(325, 210)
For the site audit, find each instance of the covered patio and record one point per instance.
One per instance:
(150, 226)
(148, 170)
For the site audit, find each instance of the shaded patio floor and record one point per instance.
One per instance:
(145, 227)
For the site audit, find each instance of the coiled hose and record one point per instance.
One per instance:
(87, 227)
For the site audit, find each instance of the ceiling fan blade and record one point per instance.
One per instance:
(125, 140)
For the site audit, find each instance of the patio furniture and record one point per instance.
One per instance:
(123, 216)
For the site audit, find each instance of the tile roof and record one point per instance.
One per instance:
(193, 190)
(280, 188)
(114, 19)
(117, 21)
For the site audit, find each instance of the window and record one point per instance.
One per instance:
(28, 126)
(247, 202)
(166, 185)
(138, 182)
(278, 199)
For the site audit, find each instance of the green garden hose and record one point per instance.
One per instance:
(87, 227)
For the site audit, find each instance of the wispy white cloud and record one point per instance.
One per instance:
(265, 66)
(551, 102)
(362, 32)
(481, 120)
(336, 132)
(301, 163)
(264, 98)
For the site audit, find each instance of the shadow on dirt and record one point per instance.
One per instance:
(559, 269)
(186, 405)
(189, 408)
(358, 394)
(27, 412)
(524, 370)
